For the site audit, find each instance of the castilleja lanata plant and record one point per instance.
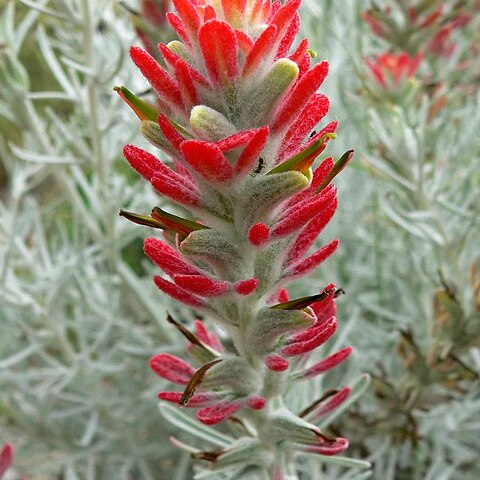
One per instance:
(235, 111)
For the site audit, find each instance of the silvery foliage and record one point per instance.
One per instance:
(79, 316)
(410, 235)
(77, 322)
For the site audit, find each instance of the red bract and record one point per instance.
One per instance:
(198, 400)
(173, 61)
(217, 413)
(301, 94)
(189, 17)
(207, 160)
(165, 87)
(201, 285)
(331, 403)
(246, 287)
(259, 50)
(178, 293)
(314, 111)
(326, 308)
(256, 403)
(259, 234)
(310, 233)
(171, 368)
(276, 363)
(143, 162)
(289, 37)
(208, 338)
(219, 47)
(390, 69)
(310, 339)
(298, 215)
(168, 259)
(424, 26)
(171, 134)
(306, 265)
(236, 140)
(6, 458)
(170, 186)
(320, 174)
(251, 152)
(326, 364)
(328, 448)
(163, 179)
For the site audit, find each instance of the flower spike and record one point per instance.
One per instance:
(238, 110)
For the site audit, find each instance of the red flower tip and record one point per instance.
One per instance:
(208, 338)
(172, 368)
(246, 287)
(309, 339)
(310, 233)
(201, 285)
(167, 258)
(6, 458)
(283, 296)
(329, 447)
(207, 160)
(392, 68)
(308, 264)
(304, 89)
(189, 15)
(326, 308)
(217, 413)
(173, 397)
(201, 399)
(170, 185)
(256, 403)
(259, 50)
(251, 152)
(236, 140)
(209, 13)
(331, 403)
(219, 46)
(143, 162)
(299, 215)
(166, 88)
(170, 132)
(275, 363)
(259, 234)
(178, 293)
(326, 364)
